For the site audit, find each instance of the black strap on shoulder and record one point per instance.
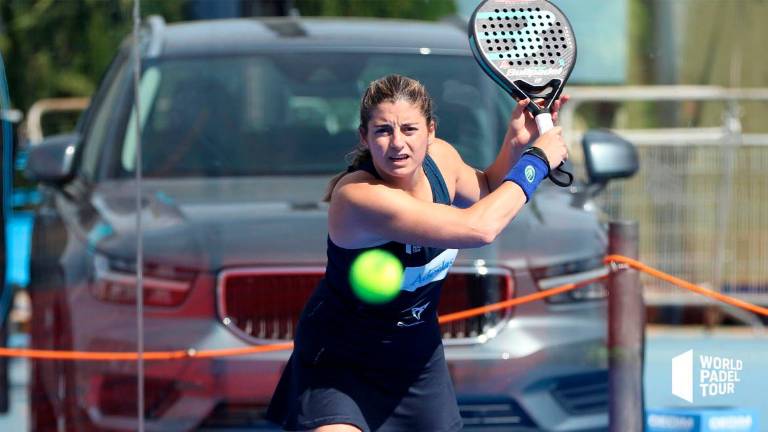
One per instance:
(440, 192)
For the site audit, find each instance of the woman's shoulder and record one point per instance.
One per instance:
(447, 159)
(444, 154)
(354, 181)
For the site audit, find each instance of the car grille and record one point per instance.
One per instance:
(582, 394)
(264, 304)
(468, 287)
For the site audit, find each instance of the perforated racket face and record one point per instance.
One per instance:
(528, 41)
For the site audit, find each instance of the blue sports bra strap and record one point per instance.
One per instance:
(440, 192)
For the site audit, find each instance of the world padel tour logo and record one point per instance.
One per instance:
(717, 376)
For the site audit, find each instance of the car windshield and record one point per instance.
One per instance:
(292, 114)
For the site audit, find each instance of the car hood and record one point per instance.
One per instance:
(218, 223)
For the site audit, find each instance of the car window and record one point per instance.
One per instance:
(290, 114)
(105, 116)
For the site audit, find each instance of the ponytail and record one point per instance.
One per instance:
(357, 156)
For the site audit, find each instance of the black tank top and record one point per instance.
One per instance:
(407, 326)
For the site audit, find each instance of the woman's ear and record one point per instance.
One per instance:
(432, 128)
(363, 136)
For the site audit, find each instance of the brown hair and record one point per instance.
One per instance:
(391, 88)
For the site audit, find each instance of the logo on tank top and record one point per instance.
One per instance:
(416, 312)
(435, 270)
(412, 249)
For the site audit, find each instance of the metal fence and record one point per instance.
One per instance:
(701, 195)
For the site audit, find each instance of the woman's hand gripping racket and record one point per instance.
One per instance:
(528, 48)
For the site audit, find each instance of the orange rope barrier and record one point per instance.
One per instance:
(191, 353)
(122, 356)
(517, 301)
(178, 355)
(687, 285)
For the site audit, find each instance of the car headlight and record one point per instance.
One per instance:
(115, 281)
(574, 272)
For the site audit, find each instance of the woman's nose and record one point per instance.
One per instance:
(398, 139)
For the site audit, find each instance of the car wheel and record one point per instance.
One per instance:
(53, 403)
(74, 416)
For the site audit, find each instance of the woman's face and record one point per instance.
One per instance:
(398, 136)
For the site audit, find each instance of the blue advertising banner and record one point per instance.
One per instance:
(701, 420)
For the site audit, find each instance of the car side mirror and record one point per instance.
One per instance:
(608, 156)
(51, 160)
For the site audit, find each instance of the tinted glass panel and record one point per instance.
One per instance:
(293, 113)
(106, 112)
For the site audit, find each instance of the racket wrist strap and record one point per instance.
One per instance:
(528, 173)
(539, 153)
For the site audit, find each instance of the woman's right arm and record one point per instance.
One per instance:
(521, 130)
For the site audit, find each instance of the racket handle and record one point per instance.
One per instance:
(544, 122)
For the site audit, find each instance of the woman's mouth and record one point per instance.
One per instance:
(398, 158)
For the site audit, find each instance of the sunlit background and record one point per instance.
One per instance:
(239, 140)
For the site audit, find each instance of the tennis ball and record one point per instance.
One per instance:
(376, 276)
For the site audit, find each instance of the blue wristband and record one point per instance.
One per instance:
(528, 172)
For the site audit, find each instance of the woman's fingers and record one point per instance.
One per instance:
(520, 108)
(554, 147)
(562, 100)
(559, 104)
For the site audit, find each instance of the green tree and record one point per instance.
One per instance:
(61, 48)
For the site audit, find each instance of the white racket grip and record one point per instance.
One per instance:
(544, 122)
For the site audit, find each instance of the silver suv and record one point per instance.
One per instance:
(244, 122)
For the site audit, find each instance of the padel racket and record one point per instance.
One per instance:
(528, 48)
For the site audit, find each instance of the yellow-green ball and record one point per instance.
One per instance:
(376, 276)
